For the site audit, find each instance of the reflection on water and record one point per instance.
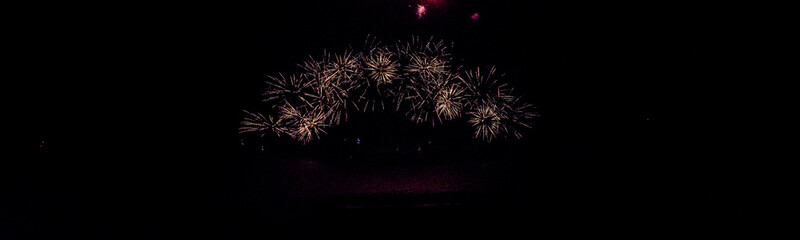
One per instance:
(305, 177)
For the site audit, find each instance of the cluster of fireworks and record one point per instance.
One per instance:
(415, 78)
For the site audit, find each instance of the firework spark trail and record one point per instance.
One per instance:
(449, 102)
(425, 95)
(515, 115)
(485, 87)
(428, 47)
(485, 121)
(340, 76)
(344, 67)
(416, 76)
(314, 69)
(331, 92)
(334, 100)
(256, 122)
(420, 99)
(425, 59)
(486, 90)
(309, 126)
(426, 67)
(305, 124)
(381, 67)
(295, 89)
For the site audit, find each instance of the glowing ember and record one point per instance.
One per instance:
(475, 16)
(421, 10)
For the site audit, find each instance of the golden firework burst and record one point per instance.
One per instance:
(485, 121)
(449, 102)
(306, 124)
(415, 76)
(343, 67)
(381, 67)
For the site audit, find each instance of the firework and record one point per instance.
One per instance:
(380, 67)
(336, 109)
(381, 71)
(426, 67)
(485, 90)
(485, 87)
(415, 76)
(305, 124)
(425, 60)
(400, 90)
(485, 121)
(430, 96)
(295, 89)
(314, 69)
(449, 102)
(256, 122)
(334, 80)
(343, 67)
(515, 115)
(475, 16)
(418, 96)
(421, 10)
(430, 48)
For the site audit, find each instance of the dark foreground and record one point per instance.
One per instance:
(549, 190)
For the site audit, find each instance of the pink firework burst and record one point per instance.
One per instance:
(475, 16)
(421, 11)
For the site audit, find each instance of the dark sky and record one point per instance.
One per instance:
(142, 68)
(668, 100)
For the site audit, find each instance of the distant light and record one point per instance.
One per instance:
(421, 11)
(475, 16)
(358, 140)
(429, 142)
(397, 149)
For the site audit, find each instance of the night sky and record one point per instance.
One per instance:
(656, 120)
